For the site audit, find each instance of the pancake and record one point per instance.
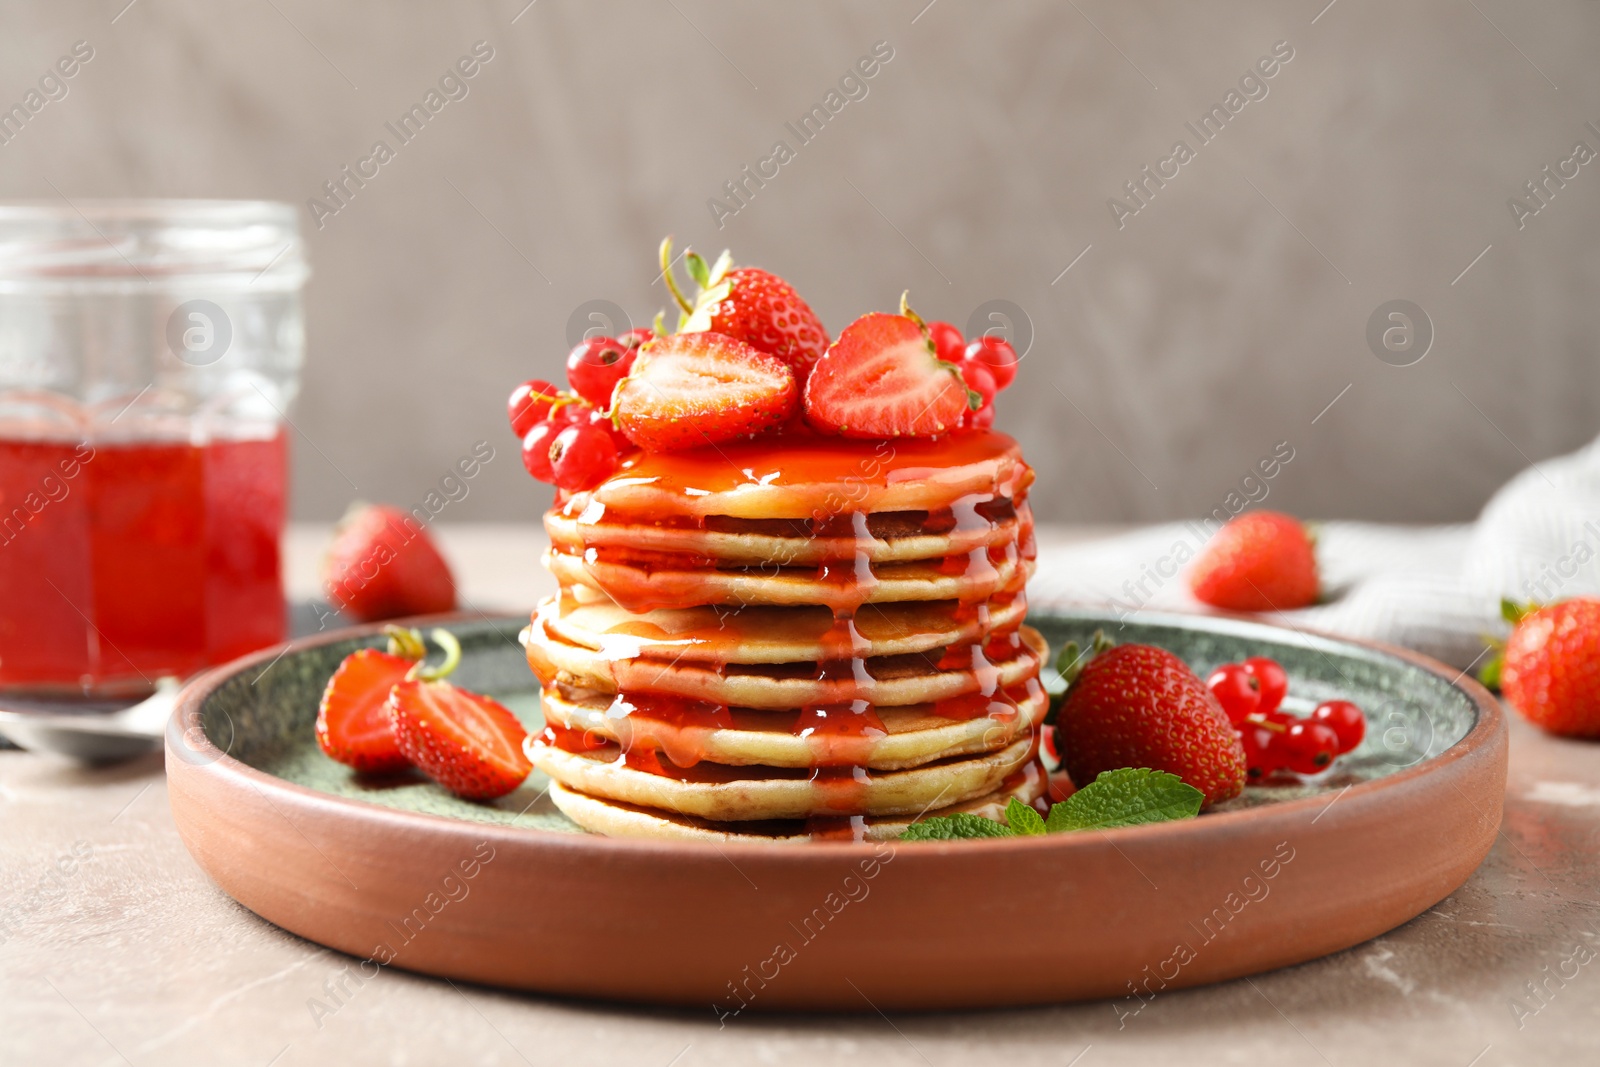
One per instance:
(913, 735)
(726, 794)
(791, 639)
(891, 537)
(640, 587)
(885, 681)
(617, 819)
(799, 476)
(761, 634)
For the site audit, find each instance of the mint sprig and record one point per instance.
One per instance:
(955, 827)
(1129, 796)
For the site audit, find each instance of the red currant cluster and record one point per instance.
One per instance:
(987, 365)
(1251, 692)
(568, 438)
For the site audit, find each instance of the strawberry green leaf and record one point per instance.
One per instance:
(1126, 797)
(1513, 612)
(959, 826)
(698, 269)
(1022, 819)
(1490, 673)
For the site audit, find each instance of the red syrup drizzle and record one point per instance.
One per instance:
(675, 726)
(843, 734)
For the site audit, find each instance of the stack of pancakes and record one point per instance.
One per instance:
(791, 639)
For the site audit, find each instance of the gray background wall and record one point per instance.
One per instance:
(1219, 321)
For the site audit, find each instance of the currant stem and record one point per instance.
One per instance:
(672, 283)
(452, 658)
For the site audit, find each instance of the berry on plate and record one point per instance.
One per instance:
(1272, 681)
(1259, 561)
(883, 378)
(1235, 689)
(1550, 669)
(1141, 706)
(688, 390)
(1344, 719)
(470, 744)
(353, 716)
(749, 305)
(1309, 747)
(383, 565)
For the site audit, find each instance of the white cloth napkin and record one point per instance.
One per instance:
(1436, 589)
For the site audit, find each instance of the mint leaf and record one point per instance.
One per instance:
(956, 827)
(1022, 819)
(1126, 797)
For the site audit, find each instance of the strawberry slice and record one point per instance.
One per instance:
(751, 305)
(882, 379)
(688, 390)
(353, 717)
(468, 743)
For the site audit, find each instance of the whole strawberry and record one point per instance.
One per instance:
(1550, 671)
(749, 305)
(1259, 561)
(383, 565)
(1141, 706)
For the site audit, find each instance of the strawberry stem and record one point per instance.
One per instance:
(905, 309)
(672, 283)
(452, 658)
(405, 642)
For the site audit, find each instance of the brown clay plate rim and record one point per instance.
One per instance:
(184, 731)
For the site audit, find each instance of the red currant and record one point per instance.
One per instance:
(948, 344)
(980, 380)
(1308, 747)
(998, 355)
(636, 337)
(981, 419)
(596, 366)
(1344, 719)
(1272, 681)
(536, 450)
(601, 420)
(1261, 757)
(581, 457)
(530, 403)
(1234, 687)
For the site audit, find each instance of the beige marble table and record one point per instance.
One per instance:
(115, 948)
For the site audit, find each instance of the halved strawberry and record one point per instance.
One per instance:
(353, 717)
(750, 305)
(881, 378)
(468, 743)
(693, 389)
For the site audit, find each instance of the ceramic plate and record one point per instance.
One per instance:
(512, 893)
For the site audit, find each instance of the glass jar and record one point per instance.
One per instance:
(148, 353)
